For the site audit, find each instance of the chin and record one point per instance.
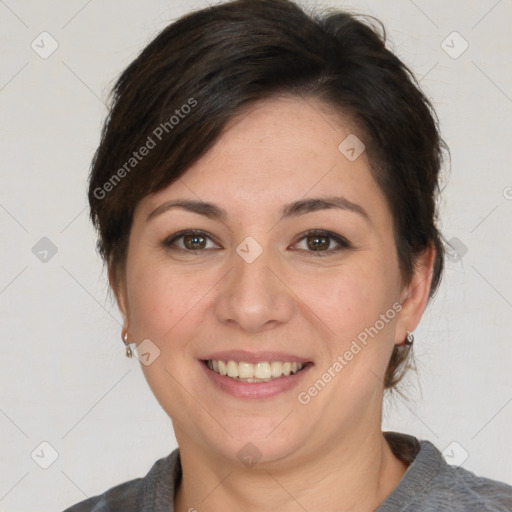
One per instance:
(259, 443)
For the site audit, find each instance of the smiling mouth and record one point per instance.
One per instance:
(264, 371)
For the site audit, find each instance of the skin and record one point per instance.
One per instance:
(329, 454)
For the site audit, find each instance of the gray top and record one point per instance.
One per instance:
(428, 485)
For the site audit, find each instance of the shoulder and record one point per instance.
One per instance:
(125, 496)
(430, 484)
(460, 489)
(131, 496)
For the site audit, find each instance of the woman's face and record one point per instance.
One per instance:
(253, 286)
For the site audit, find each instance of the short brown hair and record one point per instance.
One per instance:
(201, 70)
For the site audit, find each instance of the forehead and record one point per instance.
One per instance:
(278, 151)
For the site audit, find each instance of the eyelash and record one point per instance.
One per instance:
(342, 242)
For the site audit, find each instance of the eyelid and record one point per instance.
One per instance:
(343, 243)
(170, 240)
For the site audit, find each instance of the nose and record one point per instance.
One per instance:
(254, 295)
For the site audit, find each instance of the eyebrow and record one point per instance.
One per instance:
(301, 207)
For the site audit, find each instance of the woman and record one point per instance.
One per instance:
(265, 196)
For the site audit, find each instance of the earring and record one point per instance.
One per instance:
(129, 352)
(409, 339)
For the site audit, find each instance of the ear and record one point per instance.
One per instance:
(414, 297)
(118, 286)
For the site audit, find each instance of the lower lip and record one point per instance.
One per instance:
(268, 389)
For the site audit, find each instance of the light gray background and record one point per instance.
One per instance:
(65, 379)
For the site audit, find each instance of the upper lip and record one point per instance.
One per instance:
(254, 357)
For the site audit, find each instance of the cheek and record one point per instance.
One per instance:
(353, 298)
(153, 300)
(162, 298)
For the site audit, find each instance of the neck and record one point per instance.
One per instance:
(357, 475)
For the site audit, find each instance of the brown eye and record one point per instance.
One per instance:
(194, 241)
(319, 243)
(188, 241)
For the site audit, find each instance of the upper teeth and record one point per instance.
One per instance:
(264, 370)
